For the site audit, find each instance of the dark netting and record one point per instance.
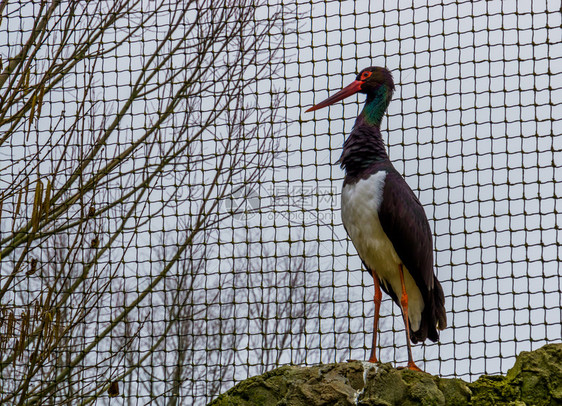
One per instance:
(170, 215)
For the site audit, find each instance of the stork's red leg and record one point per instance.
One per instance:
(404, 303)
(377, 299)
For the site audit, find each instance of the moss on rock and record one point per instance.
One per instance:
(535, 379)
(331, 384)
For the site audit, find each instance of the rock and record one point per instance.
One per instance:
(535, 379)
(331, 384)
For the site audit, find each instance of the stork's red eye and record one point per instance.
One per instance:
(365, 75)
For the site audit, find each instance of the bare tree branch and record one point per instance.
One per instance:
(93, 184)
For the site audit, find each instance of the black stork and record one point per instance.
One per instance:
(385, 220)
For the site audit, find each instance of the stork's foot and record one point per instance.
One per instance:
(411, 366)
(373, 359)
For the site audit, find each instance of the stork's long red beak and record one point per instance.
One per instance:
(347, 91)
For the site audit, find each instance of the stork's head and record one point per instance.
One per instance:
(375, 82)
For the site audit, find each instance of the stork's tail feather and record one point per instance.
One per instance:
(434, 317)
(439, 306)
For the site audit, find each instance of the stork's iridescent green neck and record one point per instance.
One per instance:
(376, 105)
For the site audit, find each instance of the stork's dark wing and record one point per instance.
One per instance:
(404, 222)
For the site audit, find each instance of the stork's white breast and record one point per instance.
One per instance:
(360, 207)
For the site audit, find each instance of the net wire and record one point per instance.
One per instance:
(170, 215)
